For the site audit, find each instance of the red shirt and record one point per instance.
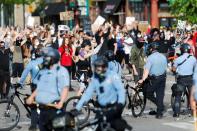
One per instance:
(66, 55)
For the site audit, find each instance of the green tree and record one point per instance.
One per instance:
(16, 1)
(184, 9)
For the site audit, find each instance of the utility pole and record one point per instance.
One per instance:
(23, 14)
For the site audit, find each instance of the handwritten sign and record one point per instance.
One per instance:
(97, 23)
(68, 15)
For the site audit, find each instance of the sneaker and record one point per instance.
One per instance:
(33, 128)
(176, 115)
(159, 116)
(152, 113)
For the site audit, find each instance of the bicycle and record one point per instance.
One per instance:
(85, 111)
(135, 97)
(10, 113)
(102, 122)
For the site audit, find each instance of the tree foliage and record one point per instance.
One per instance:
(16, 1)
(184, 10)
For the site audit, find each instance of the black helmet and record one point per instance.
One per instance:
(99, 73)
(109, 55)
(154, 46)
(51, 56)
(100, 61)
(185, 48)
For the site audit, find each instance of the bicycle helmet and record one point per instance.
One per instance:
(100, 67)
(51, 56)
(109, 55)
(154, 46)
(185, 48)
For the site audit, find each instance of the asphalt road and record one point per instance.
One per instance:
(143, 123)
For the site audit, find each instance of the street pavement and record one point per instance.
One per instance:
(143, 123)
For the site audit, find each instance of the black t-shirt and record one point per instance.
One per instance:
(83, 65)
(5, 60)
(110, 44)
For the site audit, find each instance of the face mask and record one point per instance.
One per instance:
(37, 43)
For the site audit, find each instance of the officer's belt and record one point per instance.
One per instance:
(108, 105)
(45, 107)
(185, 76)
(156, 77)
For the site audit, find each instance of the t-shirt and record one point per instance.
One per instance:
(5, 60)
(110, 44)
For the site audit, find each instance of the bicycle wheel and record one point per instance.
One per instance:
(9, 115)
(84, 113)
(138, 103)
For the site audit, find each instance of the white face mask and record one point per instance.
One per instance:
(37, 43)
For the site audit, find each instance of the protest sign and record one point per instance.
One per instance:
(130, 20)
(68, 15)
(143, 26)
(32, 21)
(97, 23)
(63, 27)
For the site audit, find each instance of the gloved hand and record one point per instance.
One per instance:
(119, 107)
(74, 112)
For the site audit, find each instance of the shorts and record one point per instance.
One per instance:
(17, 69)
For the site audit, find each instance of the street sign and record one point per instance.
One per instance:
(68, 15)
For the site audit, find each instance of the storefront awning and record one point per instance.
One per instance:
(111, 6)
(54, 8)
(50, 9)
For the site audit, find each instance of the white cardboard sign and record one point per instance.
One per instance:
(97, 23)
(130, 20)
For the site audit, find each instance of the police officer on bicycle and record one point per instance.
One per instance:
(33, 68)
(52, 88)
(155, 71)
(184, 67)
(109, 89)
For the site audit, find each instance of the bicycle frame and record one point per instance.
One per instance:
(18, 94)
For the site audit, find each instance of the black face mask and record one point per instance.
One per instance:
(46, 62)
(140, 44)
(99, 77)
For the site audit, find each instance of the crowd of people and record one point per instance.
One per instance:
(54, 58)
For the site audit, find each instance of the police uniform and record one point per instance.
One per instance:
(156, 65)
(115, 67)
(50, 84)
(110, 91)
(184, 65)
(33, 68)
